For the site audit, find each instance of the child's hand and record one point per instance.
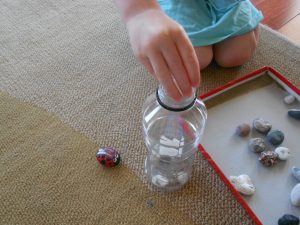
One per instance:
(164, 48)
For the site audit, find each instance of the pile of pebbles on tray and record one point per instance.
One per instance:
(269, 158)
(258, 144)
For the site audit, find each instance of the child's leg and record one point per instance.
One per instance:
(237, 50)
(204, 55)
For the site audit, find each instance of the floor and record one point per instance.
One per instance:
(281, 15)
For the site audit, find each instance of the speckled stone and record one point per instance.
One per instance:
(294, 113)
(296, 173)
(108, 157)
(243, 130)
(288, 219)
(275, 137)
(269, 158)
(295, 195)
(289, 99)
(257, 145)
(261, 125)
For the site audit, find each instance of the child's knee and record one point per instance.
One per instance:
(232, 59)
(236, 51)
(204, 55)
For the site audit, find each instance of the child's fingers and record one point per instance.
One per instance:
(176, 67)
(145, 61)
(189, 57)
(163, 75)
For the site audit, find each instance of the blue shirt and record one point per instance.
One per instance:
(211, 21)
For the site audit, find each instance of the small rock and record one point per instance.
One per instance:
(108, 157)
(261, 125)
(243, 130)
(295, 195)
(160, 181)
(289, 99)
(150, 203)
(243, 184)
(294, 113)
(256, 145)
(288, 220)
(275, 137)
(283, 153)
(296, 173)
(268, 158)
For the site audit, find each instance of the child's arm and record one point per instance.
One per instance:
(161, 45)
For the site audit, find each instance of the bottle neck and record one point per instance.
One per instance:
(170, 104)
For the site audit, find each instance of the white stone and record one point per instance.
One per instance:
(160, 181)
(283, 153)
(243, 184)
(295, 195)
(289, 99)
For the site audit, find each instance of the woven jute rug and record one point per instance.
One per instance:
(69, 84)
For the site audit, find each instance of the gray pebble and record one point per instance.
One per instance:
(294, 113)
(257, 145)
(261, 125)
(275, 137)
(296, 173)
(243, 130)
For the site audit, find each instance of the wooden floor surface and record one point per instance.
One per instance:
(281, 15)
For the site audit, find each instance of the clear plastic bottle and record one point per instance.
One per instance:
(172, 132)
